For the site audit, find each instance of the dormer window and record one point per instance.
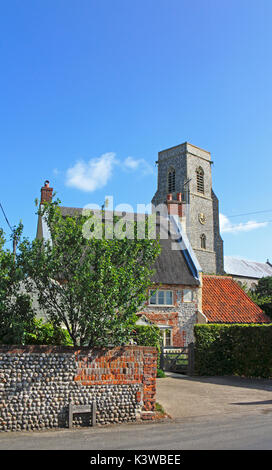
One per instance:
(171, 181)
(200, 180)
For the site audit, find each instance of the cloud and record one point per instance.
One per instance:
(226, 226)
(92, 175)
(138, 164)
(95, 174)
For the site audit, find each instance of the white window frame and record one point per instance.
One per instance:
(192, 296)
(157, 296)
(163, 330)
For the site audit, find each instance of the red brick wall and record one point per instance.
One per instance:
(120, 366)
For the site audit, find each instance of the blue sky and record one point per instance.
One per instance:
(102, 86)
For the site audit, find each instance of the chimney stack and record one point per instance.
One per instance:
(46, 193)
(175, 207)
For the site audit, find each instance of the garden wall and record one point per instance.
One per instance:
(37, 384)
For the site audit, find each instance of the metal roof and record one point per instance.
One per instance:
(246, 268)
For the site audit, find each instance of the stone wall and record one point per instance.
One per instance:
(37, 384)
(181, 317)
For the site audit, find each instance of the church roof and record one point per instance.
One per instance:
(246, 268)
(224, 301)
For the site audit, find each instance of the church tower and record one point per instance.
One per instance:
(186, 169)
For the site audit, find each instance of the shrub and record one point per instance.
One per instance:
(243, 350)
(46, 333)
(148, 335)
(160, 374)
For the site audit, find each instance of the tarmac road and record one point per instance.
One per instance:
(227, 432)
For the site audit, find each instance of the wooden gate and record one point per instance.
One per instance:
(180, 360)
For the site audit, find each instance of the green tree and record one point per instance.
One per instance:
(262, 295)
(92, 286)
(16, 313)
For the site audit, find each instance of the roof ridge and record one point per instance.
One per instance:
(220, 276)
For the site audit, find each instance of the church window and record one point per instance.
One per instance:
(203, 241)
(200, 180)
(171, 181)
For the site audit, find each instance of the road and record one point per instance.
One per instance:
(227, 432)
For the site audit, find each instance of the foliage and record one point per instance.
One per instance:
(160, 374)
(262, 295)
(16, 313)
(92, 286)
(243, 350)
(149, 335)
(159, 408)
(41, 332)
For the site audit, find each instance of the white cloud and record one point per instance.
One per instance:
(138, 164)
(95, 174)
(226, 226)
(91, 175)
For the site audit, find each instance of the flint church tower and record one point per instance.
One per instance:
(186, 169)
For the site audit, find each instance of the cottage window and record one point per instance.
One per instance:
(203, 241)
(161, 297)
(200, 180)
(171, 181)
(188, 295)
(166, 336)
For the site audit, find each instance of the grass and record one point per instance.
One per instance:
(159, 409)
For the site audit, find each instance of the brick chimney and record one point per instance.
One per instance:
(175, 207)
(46, 192)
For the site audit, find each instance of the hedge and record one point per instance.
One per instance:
(243, 350)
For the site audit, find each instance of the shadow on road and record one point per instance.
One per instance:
(266, 402)
(232, 381)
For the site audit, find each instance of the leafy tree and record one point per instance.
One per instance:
(16, 313)
(91, 285)
(262, 295)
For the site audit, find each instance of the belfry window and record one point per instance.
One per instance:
(171, 181)
(200, 180)
(203, 241)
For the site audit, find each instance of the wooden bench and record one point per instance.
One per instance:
(73, 409)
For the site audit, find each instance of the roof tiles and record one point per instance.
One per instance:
(224, 301)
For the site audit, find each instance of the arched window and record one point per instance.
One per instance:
(203, 241)
(171, 181)
(200, 180)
